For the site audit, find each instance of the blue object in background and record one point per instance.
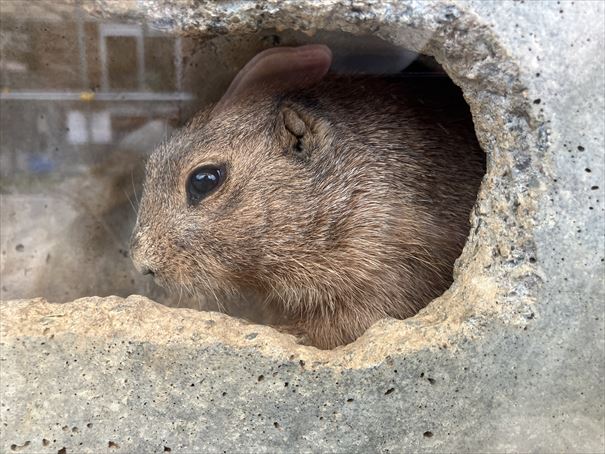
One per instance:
(40, 164)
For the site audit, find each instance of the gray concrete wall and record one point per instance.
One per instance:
(511, 358)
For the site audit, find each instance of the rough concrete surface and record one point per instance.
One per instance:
(510, 359)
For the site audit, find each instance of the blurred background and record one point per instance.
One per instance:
(82, 104)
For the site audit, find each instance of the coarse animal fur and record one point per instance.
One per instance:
(345, 202)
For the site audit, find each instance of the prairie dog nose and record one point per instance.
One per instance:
(142, 267)
(136, 256)
(146, 270)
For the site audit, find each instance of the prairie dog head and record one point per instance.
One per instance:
(235, 196)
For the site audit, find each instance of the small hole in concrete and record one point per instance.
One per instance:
(260, 378)
(167, 449)
(389, 391)
(63, 450)
(89, 425)
(45, 442)
(15, 447)
(112, 444)
(428, 434)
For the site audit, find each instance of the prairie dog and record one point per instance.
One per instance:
(336, 200)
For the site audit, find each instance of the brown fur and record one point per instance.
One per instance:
(345, 203)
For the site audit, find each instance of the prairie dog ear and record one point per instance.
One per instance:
(299, 133)
(293, 122)
(282, 68)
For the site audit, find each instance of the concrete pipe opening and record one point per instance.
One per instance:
(493, 277)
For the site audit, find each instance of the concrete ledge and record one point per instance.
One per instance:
(115, 375)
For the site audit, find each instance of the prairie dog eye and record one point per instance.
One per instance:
(203, 181)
